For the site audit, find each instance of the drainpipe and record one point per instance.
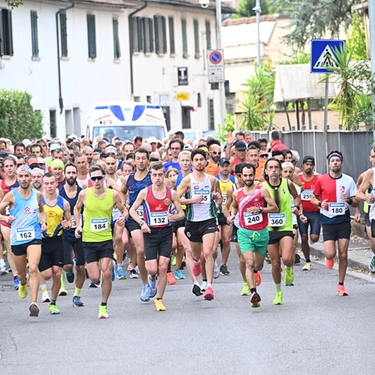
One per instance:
(61, 101)
(131, 46)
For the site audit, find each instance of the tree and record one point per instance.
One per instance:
(18, 120)
(356, 38)
(245, 8)
(14, 3)
(315, 19)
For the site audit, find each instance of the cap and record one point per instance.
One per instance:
(37, 171)
(308, 158)
(41, 161)
(240, 146)
(54, 146)
(152, 140)
(223, 161)
(287, 164)
(97, 150)
(188, 147)
(26, 142)
(111, 149)
(31, 161)
(3, 154)
(57, 163)
(23, 168)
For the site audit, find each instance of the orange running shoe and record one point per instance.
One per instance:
(258, 279)
(208, 294)
(170, 278)
(330, 262)
(341, 291)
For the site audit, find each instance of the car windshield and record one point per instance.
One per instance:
(128, 132)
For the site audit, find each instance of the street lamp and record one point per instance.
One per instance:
(258, 11)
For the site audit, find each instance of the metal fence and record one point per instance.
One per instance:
(355, 146)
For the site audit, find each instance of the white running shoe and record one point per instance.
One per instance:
(203, 286)
(45, 297)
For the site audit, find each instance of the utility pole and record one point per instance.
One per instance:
(371, 16)
(220, 47)
(258, 11)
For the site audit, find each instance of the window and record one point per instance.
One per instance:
(184, 39)
(196, 39)
(6, 34)
(172, 48)
(160, 35)
(148, 24)
(208, 35)
(138, 34)
(91, 34)
(63, 35)
(116, 39)
(34, 34)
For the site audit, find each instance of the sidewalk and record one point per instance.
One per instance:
(359, 253)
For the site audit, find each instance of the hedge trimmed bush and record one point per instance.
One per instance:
(18, 120)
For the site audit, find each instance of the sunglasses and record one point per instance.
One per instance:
(32, 166)
(264, 156)
(96, 178)
(216, 152)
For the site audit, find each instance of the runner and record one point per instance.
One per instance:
(98, 203)
(157, 201)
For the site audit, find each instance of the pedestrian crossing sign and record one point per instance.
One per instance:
(323, 54)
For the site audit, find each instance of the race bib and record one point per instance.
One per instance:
(206, 199)
(98, 225)
(251, 219)
(159, 219)
(276, 220)
(25, 233)
(74, 223)
(224, 199)
(139, 211)
(306, 195)
(7, 211)
(336, 208)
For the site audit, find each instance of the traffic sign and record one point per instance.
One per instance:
(323, 54)
(215, 66)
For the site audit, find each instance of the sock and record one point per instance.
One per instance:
(204, 280)
(2, 263)
(341, 283)
(62, 281)
(253, 290)
(43, 288)
(278, 287)
(53, 302)
(103, 304)
(15, 277)
(119, 266)
(196, 283)
(308, 260)
(159, 299)
(255, 271)
(77, 292)
(153, 277)
(209, 285)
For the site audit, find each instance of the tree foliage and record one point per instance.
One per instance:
(245, 7)
(315, 19)
(14, 3)
(356, 38)
(17, 117)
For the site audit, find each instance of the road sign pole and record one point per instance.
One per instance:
(219, 47)
(325, 123)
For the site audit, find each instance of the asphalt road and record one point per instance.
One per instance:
(313, 332)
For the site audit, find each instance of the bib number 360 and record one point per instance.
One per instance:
(276, 220)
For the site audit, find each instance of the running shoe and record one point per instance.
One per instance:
(170, 278)
(203, 286)
(45, 297)
(216, 271)
(267, 258)
(330, 262)
(152, 285)
(255, 299)
(70, 276)
(3, 270)
(145, 294)
(103, 312)
(278, 298)
(22, 290)
(159, 305)
(137, 270)
(130, 267)
(121, 274)
(63, 291)
(179, 275)
(173, 262)
(245, 290)
(341, 291)
(76, 302)
(34, 309)
(224, 270)
(209, 294)
(197, 267)
(197, 290)
(133, 274)
(258, 278)
(94, 285)
(16, 283)
(289, 276)
(307, 267)
(53, 310)
(371, 266)
(297, 258)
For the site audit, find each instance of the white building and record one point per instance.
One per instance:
(110, 50)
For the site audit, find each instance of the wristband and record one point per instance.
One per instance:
(297, 207)
(319, 204)
(350, 201)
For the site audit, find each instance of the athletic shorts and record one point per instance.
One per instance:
(333, 232)
(132, 225)
(94, 251)
(177, 225)
(19, 250)
(253, 240)
(275, 236)
(313, 220)
(367, 221)
(195, 230)
(158, 243)
(78, 252)
(52, 253)
(222, 220)
(234, 237)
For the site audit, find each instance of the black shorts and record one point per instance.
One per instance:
(177, 225)
(19, 250)
(367, 220)
(275, 236)
(158, 243)
(222, 220)
(195, 230)
(52, 253)
(94, 251)
(78, 252)
(333, 232)
(132, 225)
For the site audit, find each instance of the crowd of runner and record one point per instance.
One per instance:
(73, 210)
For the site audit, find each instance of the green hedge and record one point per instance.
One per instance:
(18, 120)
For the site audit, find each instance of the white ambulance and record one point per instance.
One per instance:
(126, 120)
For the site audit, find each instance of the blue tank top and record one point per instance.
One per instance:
(68, 234)
(134, 187)
(25, 227)
(179, 179)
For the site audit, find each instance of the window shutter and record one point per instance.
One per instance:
(208, 35)
(171, 36)
(34, 33)
(184, 39)
(164, 29)
(151, 34)
(91, 33)
(196, 39)
(10, 34)
(1, 34)
(157, 35)
(63, 35)
(116, 40)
